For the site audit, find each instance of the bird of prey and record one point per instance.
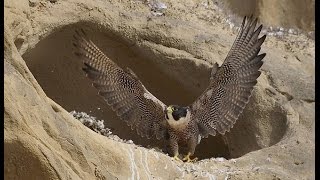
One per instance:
(215, 110)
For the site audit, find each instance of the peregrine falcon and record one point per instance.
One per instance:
(215, 110)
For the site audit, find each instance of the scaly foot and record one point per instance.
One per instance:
(177, 158)
(187, 158)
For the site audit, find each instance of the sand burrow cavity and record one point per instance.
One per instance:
(59, 73)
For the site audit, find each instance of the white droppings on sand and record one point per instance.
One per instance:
(133, 166)
(145, 164)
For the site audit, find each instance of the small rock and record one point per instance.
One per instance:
(264, 31)
(220, 159)
(33, 3)
(157, 7)
(205, 4)
(311, 34)
(231, 25)
(279, 33)
(291, 31)
(256, 169)
(271, 34)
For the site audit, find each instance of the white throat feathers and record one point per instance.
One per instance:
(182, 122)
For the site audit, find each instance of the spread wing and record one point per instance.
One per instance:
(231, 85)
(122, 90)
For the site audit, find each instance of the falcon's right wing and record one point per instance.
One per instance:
(218, 108)
(122, 90)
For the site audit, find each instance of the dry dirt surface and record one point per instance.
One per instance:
(171, 46)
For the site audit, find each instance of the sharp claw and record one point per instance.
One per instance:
(177, 158)
(187, 158)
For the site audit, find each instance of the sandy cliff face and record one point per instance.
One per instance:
(284, 13)
(172, 54)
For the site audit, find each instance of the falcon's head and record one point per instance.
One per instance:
(176, 113)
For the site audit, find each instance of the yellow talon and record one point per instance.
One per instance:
(187, 158)
(177, 158)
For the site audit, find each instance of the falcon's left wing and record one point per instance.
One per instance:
(218, 108)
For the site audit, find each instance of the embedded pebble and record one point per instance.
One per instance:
(290, 31)
(220, 159)
(280, 33)
(157, 7)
